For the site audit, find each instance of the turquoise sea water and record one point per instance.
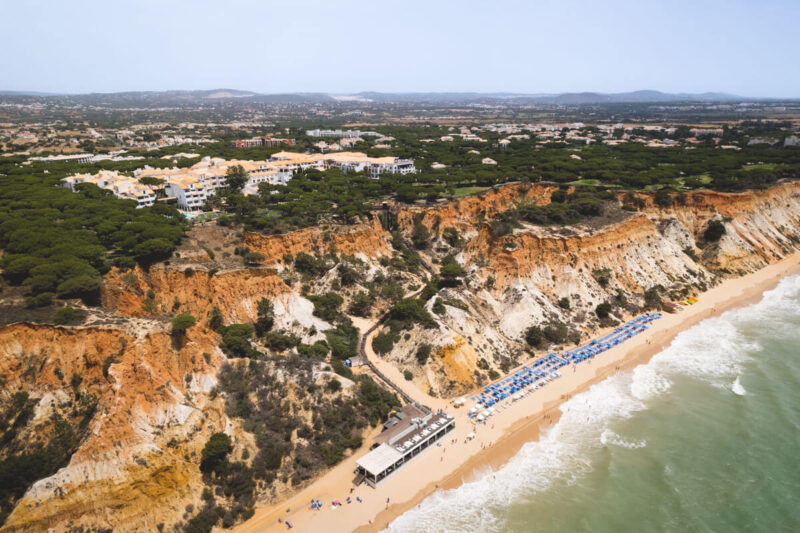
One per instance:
(666, 447)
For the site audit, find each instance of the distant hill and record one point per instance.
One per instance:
(564, 98)
(181, 98)
(25, 93)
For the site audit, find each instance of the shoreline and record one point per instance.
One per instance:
(505, 433)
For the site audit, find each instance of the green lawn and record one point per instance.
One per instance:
(466, 191)
(764, 166)
(593, 183)
(588, 183)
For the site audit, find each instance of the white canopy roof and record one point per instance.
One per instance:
(379, 459)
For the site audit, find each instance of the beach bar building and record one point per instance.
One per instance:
(409, 433)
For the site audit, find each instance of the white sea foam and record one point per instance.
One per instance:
(608, 437)
(713, 351)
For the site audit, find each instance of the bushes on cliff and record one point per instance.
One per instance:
(182, 322)
(534, 336)
(420, 236)
(234, 482)
(279, 341)
(552, 332)
(215, 320)
(236, 340)
(318, 350)
(361, 304)
(343, 340)
(326, 306)
(383, 342)
(256, 393)
(215, 452)
(652, 297)
(603, 310)
(68, 316)
(451, 272)
(410, 311)
(265, 317)
(423, 352)
(714, 231)
(19, 471)
(602, 276)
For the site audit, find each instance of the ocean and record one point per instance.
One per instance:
(667, 446)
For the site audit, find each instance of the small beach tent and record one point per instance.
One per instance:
(474, 409)
(481, 418)
(471, 436)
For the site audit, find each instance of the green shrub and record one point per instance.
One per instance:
(714, 231)
(215, 321)
(343, 340)
(235, 340)
(556, 332)
(318, 350)
(215, 452)
(410, 311)
(420, 236)
(182, 322)
(327, 306)
(68, 315)
(280, 341)
(360, 304)
(40, 300)
(423, 353)
(534, 336)
(603, 310)
(602, 276)
(265, 317)
(253, 258)
(383, 342)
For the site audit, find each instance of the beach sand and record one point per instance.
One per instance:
(515, 424)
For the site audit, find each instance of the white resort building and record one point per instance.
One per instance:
(123, 187)
(190, 187)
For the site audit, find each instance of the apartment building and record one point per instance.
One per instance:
(342, 134)
(189, 192)
(265, 140)
(124, 187)
(192, 186)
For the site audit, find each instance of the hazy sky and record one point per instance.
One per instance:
(744, 47)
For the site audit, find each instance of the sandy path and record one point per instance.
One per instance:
(448, 466)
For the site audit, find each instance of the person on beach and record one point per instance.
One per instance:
(387, 503)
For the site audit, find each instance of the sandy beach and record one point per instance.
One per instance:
(515, 424)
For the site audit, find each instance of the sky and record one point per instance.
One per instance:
(748, 48)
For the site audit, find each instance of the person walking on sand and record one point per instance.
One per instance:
(387, 503)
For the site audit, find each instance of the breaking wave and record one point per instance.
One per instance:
(713, 351)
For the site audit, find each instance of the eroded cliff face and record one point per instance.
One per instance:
(236, 293)
(519, 280)
(138, 463)
(368, 239)
(152, 414)
(465, 213)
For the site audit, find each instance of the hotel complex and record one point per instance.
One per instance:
(191, 187)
